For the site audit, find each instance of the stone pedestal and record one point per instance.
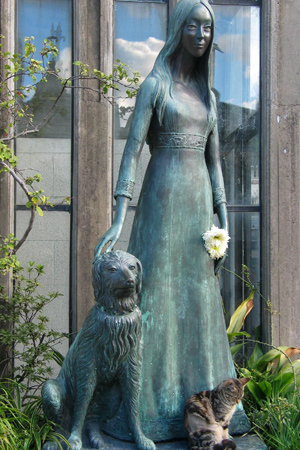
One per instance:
(248, 442)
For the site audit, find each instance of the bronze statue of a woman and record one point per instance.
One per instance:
(185, 347)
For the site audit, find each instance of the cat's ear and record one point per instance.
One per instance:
(244, 381)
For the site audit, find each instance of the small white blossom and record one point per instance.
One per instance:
(216, 242)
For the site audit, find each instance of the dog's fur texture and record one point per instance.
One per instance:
(103, 365)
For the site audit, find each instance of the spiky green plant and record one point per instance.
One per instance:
(277, 422)
(23, 427)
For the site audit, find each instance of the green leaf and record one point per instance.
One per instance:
(266, 388)
(256, 355)
(240, 333)
(240, 314)
(236, 348)
(39, 211)
(58, 357)
(257, 392)
(291, 368)
(281, 383)
(276, 357)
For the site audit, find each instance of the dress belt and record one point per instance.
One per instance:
(178, 140)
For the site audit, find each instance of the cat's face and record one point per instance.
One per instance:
(232, 390)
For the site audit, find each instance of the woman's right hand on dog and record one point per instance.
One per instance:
(113, 233)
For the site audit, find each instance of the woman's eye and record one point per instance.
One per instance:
(131, 267)
(112, 269)
(191, 27)
(207, 29)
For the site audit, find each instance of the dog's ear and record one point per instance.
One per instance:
(139, 276)
(97, 278)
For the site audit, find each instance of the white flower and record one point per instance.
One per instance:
(216, 242)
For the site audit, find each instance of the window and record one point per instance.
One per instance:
(48, 152)
(237, 87)
(140, 29)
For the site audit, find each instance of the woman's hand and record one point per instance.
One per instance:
(113, 233)
(219, 263)
(221, 211)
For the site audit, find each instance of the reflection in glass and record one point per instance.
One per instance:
(244, 249)
(140, 33)
(236, 85)
(48, 153)
(235, 77)
(50, 19)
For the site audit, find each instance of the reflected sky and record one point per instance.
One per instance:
(140, 33)
(45, 19)
(139, 21)
(236, 75)
(140, 30)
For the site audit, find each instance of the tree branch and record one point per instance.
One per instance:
(32, 216)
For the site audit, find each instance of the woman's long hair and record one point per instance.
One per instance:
(161, 70)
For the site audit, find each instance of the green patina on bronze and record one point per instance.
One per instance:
(185, 346)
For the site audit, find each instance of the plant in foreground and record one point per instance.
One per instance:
(272, 398)
(271, 374)
(25, 332)
(277, 422)
(23, 427)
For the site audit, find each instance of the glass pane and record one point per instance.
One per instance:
(48, 244)
(48, 153)
(236, 85)
(243, 250)
(140, 33)
(49, 19)
(52, 159)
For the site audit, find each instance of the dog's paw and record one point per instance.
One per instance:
(75, 442)
(49, 446)
(96, 440)
(145, 444)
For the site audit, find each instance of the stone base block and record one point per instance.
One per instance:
(248, 442)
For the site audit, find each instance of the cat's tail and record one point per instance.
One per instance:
(226, 444)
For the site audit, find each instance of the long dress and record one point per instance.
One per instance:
(185, 347)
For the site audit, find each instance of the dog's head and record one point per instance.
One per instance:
(117, 281)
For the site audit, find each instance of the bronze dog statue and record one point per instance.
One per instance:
(103, 365)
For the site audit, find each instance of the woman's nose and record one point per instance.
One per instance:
(200, 34)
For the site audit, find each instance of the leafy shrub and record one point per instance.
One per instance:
(24, 331)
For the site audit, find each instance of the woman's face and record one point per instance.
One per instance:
(196, 34)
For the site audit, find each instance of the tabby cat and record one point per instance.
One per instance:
(208, 413)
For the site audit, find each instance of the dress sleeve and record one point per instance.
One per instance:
(124, 188)
(219, 196)
(142, 115)
(213, 161)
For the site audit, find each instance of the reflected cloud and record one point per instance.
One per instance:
(138, 55)
(64, 62)
(251, 105)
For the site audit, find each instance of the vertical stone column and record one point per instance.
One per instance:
(92, 159)
(281, 165)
